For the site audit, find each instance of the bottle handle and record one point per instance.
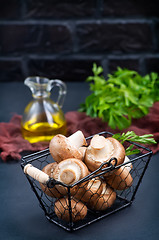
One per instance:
(62, 90)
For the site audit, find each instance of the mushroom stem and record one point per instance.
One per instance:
(98, 142)
(100, 146)
(77, 139)
(70, 174)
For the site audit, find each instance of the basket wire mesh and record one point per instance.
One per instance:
(123, 198)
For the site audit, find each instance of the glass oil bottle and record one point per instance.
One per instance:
(43, 118)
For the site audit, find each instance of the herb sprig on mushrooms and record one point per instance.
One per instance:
(131, 136)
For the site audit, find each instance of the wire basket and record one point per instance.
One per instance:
(123, 197)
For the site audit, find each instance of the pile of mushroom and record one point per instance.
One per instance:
(74, 165)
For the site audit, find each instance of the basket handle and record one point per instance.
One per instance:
(36, 173)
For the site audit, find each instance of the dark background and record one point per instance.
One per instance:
(62, 39)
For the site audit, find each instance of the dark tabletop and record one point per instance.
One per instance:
(21, 218)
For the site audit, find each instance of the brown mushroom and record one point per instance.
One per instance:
(52, 192)
(105, 200)
(121, 178)
(62, 147)
(92, 190)
(70, 171)
(101, 150)
(78, 209)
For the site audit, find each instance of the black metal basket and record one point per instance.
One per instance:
(123, 197)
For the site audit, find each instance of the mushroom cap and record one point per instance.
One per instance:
(69, 171)
(78, 209)
(92, 190)
(120, 179)
(101, 150)
(105, 200)
(61, 148)
(52, 192)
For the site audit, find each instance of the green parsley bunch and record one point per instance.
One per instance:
(124, 95)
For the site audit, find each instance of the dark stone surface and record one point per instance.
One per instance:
(56, 39)
(21, 217)
(17, 38)
(60, 9)
(67, 70)
(10, 9)
(133, 8)
(152, 64)
(30, 38)
(157, 35)
(11, 71)
(114, 37)
(132, 64)
(63, 38)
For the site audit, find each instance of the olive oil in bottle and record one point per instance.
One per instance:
(43, 131)
(43, 118)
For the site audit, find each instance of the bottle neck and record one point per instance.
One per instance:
(38, 94)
